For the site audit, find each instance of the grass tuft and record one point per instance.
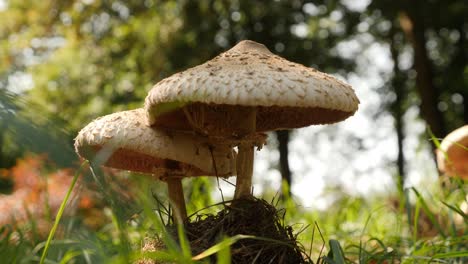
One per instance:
(60, 212)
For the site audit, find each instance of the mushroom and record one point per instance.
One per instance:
(169, 156)
(243, 92)
(452, 156)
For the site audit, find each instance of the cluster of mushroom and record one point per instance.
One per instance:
(193, 121)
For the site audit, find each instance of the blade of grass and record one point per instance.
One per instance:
(225, 243)
(66, 242)
(224, 256)
(337, 251)
(416, 220)
(69, 256)
(183, 240)
(457, 210)
(60, 212)
(453, 254)
(429, 213)
(32, 221)
(173, 249)
(118, 214)
(379, 242)
(407, 206)
(231, 240)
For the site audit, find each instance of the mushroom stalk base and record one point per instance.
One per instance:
(176, 197)
(245, 157)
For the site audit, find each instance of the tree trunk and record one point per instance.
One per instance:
(465, 106)
(283, 140)
(461, 62)
(397, 83)
(414, 29)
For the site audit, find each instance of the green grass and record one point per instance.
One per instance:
(353, 230)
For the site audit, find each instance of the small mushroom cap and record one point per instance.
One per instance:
(136, 147)
(452, 157)
(285, 94)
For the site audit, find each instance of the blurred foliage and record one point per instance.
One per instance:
(417, 27)
(20, 133)
(89, 58)
(37, 191)
(38, 188)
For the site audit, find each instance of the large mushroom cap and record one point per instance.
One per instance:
(452, 157)
(285, 94)
(136, 147)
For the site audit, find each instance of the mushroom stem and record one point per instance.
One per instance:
(176, 198)
(245, 157)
